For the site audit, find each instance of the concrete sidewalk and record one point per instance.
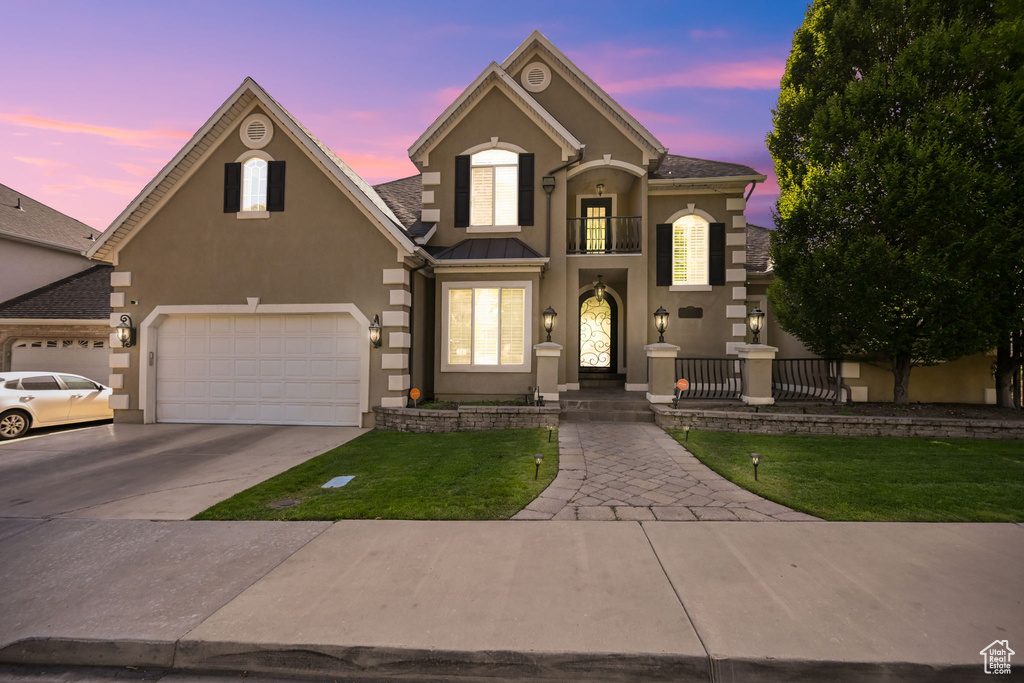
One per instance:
(608, 601)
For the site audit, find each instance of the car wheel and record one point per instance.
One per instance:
(13, 424)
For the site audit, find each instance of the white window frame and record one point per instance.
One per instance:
(253, 154)
(709, 219)
(527, 363)
(493, 226)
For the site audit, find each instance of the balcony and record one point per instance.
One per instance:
(604, 235)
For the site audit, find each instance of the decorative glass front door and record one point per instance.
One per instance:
(597, 334)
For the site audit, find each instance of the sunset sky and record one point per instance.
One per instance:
(98, 96)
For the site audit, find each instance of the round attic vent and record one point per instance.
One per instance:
(256, 131)
(536, 76)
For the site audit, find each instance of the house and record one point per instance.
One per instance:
(256, 265)
(54, 301)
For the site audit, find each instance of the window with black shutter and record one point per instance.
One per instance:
(462, 191)
(525, 189)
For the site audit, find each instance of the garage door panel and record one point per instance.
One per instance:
(284, 369)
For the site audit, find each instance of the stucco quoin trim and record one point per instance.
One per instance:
(149, 333)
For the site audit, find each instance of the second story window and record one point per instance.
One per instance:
(690, 251)
(254, 185)
(494, 188)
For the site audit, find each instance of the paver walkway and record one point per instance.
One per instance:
(637, 472)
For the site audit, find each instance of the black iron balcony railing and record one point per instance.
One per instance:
(606, 235)
(710, 378)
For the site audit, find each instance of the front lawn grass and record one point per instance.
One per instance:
(463, 475)
(876, 479)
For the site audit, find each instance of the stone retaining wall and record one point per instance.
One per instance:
(466, 418)
(845, 425)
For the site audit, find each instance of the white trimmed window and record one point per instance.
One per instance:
(487, 326)
(494, 188)
(254, 184)
(690, 244)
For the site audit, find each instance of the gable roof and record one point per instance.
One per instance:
(405, 198)
(605, 102)
(82, 296)
(494, 74)
(37, 223)
(218, 124)
(675, 166)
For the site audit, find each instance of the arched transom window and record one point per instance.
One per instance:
(495, 177)
(690, 251)
(254, 184)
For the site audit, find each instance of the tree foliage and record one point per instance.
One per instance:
(898, 144)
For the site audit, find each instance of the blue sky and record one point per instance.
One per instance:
(103, 94)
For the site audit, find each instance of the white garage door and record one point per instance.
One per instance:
(259, 369)
(85, 357)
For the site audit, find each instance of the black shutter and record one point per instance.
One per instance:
(232, 188)
(716, 255)
(275, 186)
(525, 189)
(462, 191)
(663, 254)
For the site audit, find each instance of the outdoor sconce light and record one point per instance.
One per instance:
(661, 323)
(600, 189)
(548, 183)
(375, 332)
(549, 321)
(756, 459)
(599, 290)
(125, 332)
(538, 458)
(755, 320)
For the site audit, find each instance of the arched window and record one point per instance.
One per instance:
(254, 184)
(494, 188)
(690, 250)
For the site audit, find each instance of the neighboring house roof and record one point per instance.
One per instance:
(758, 239)
(405, 197)
(223, 119)
(675, 166)
(495, 76)
(40, 224)
(605, 101)
(486, 249)
(82, 296)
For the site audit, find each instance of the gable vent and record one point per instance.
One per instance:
(536, 76)
(256, 131)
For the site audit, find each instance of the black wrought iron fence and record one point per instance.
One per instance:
(604, 235)
(710, 378)
(806, 379)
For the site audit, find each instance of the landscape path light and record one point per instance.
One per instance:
(756, 459)
(661, 323)
(538, 458)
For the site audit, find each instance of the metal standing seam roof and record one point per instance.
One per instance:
(82, 296)
(37, 221)
(488, 248)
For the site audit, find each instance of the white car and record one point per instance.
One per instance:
(44, 399)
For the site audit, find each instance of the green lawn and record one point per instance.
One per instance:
(464, 475)
(872, 478)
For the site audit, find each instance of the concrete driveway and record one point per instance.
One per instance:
(158, 471)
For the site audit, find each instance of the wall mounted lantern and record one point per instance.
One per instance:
(600, 189)
(548, 183)
(375, 332)
(125, 332)
(756, 459)
(599, 290)
(755, 320)
(549, 321)
(661, 323)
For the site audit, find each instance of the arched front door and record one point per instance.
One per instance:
(598, 332)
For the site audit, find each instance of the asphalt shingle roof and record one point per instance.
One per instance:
(405, 197)
(488, 248)
(82, 296)
(39, 221)
(675, 166)
(757, 248)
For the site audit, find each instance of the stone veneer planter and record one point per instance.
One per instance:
(466, 418)
(777, 423)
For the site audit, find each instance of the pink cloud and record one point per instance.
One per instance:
(446, 96)
(136, 170)
(50, 166)
(752, 75)
(374, 168)
(141, 138)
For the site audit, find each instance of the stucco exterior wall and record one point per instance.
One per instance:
(321, 249)
(25, 267)
(965, 380)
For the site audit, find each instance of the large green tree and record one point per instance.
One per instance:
(898, 144)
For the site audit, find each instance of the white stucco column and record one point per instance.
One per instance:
(661, 371)
(548, 354)
(757, 373)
